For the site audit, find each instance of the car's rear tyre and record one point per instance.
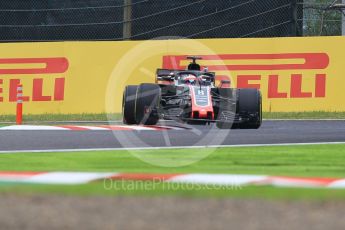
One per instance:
(147, 102)
(227, 110)
(128, 104)
(250, 102)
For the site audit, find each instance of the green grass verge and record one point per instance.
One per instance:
(309, 161)
(30, 118)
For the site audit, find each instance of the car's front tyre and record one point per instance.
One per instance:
(250, 102)
(147, 103)
(128, 104)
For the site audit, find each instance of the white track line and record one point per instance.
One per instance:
(86, 128)
(136, 127)
(170, 147)
(91, 128)
(33, 128)
(166, 121)
(67, 177)
(217, 179)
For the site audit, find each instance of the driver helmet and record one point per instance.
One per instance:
(189, 79)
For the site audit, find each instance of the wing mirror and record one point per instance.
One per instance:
(225, 83)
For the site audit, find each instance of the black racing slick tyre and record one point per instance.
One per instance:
(128, 104)
(226, 112)
(250, 102)
(148, 99)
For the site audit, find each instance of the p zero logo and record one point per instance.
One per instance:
(12, 70)
(273, 64)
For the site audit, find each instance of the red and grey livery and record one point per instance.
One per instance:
(192, 96)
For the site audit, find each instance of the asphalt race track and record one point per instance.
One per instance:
(271, 132)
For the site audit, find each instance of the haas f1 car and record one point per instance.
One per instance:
(191, 96)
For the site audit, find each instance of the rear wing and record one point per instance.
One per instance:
(167, 76)
(172, 72)
(164, 76)
(165, 72)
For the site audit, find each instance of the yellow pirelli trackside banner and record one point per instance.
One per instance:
(294, 74)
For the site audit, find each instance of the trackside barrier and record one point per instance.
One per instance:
(293, 74)
(19, 114)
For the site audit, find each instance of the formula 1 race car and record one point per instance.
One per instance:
(191, 96)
